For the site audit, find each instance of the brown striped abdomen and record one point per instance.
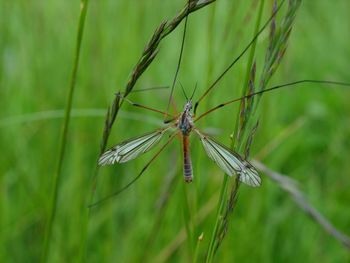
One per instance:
(187, 159)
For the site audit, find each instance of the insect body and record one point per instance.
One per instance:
(185, 122)
(229, 161)
(185, 125)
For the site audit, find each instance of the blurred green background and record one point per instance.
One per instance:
(303, 133)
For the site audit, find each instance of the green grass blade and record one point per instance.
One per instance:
(223, 196)
(217, 219)
(64, 136)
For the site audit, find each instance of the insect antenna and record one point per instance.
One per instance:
(180, 58)
(336, 83)
(183, 91)
(103, 200)
(238, 57)
(194, 90)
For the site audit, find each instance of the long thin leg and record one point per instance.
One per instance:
(149, 89)
(137, 177)
(179, 62)
(148, 108)
(237, 58)
(271, 89)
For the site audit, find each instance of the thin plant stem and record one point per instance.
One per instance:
(170, 184)
(247, 75)
(217, 219)
(224, 187)
(188, 219)
(173, 245)
(64, 136)
(246, 111)
(149, 53)
(285, 183)
(289, 185)
(196, 252)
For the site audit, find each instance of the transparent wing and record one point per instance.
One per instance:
(131, 148)
(230, 161)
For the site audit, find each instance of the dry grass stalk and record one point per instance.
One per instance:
(291, 187)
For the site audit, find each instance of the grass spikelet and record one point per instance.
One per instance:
(277, 45)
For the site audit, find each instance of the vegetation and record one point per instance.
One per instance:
(303, 132)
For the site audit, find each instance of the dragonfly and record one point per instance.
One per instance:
(184, 124)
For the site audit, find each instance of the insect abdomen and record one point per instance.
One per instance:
(187, 159)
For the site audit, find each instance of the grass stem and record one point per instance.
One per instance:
(222, 201)
(217, 219)
(64, 136)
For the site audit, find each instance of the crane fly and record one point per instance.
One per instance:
(229, 161)
(183, 125)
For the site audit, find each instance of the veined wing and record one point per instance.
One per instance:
(131, 148)
(230, 161)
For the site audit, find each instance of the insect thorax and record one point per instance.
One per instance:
(185, 123)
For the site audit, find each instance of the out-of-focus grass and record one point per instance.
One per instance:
(37, 39)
